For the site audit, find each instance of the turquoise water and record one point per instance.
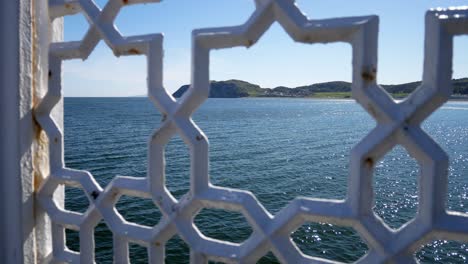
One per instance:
(276, 148)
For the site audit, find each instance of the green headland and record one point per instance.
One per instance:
(336, 90)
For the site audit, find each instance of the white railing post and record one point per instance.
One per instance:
(25, 31)
(9, 155)
(15, 95)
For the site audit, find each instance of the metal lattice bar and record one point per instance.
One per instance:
(397, 124)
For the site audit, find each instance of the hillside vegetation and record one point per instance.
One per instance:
(338, 89)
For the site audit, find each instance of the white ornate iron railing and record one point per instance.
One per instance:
(397, 124)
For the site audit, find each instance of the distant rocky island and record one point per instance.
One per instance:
(337, 89)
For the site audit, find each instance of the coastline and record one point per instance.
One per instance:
(322, 96)
(333, 96)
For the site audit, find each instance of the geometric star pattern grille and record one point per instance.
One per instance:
(397, 124)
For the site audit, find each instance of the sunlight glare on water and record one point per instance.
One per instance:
(276, 148)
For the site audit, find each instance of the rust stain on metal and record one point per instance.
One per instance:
(40, 156)
(369, 75)
(68, 6)
(249, 43)
(369, 162)
(37, 180)
(95, 195)
(34, 54)
(158, 244)
(40, 151)
(406, 125)
(134, 51)
(125, 2)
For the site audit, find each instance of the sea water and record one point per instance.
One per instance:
(276, 148)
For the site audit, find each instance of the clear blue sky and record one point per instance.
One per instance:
(274, 61)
